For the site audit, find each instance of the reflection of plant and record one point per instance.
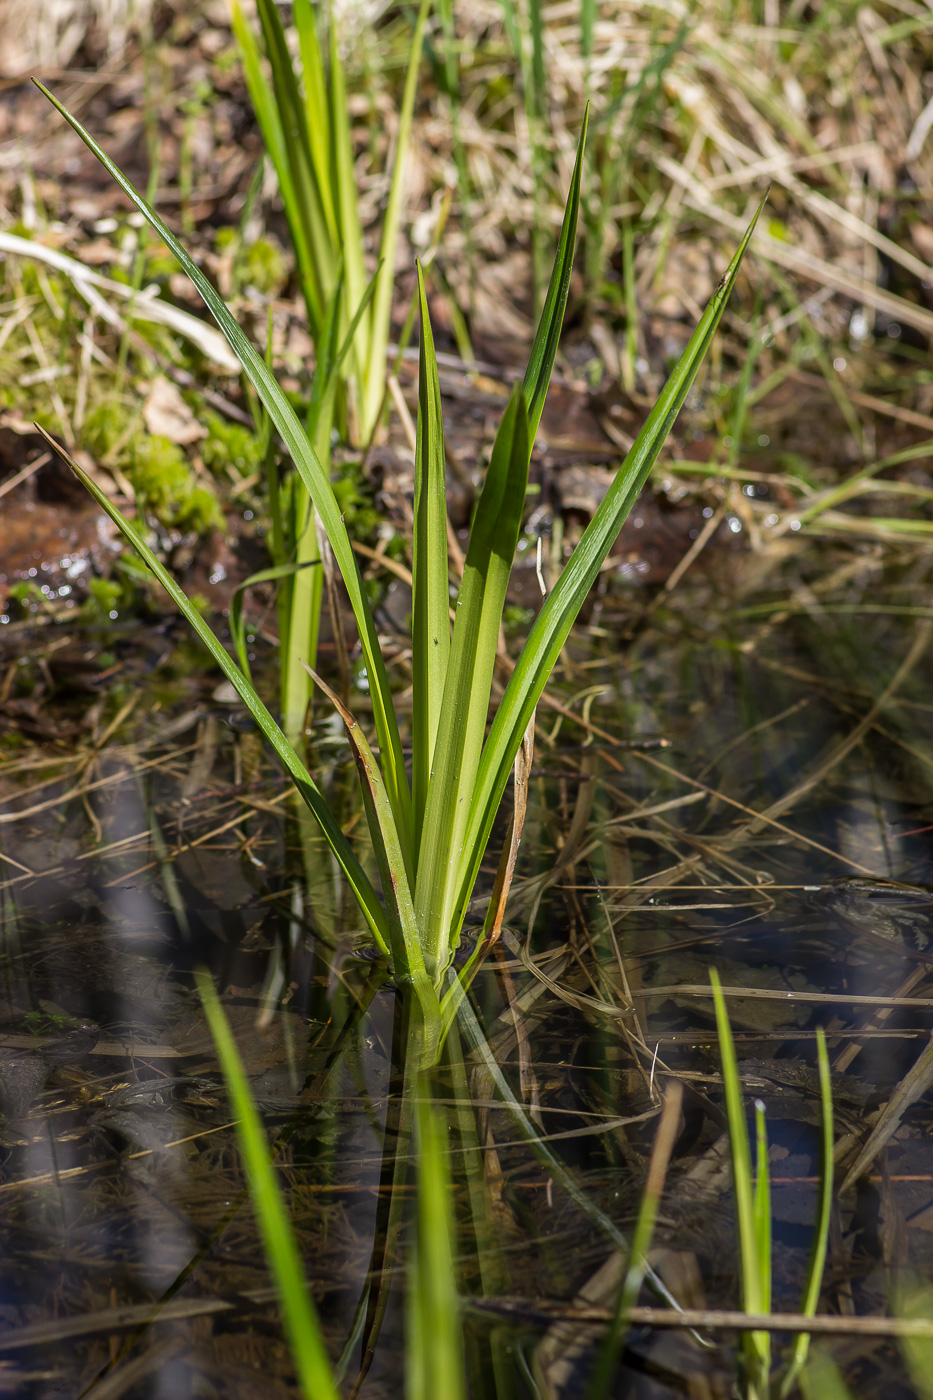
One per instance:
(429, 835)
(434, 1362)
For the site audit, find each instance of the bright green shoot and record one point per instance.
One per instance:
(429, 835)
(753, 1214)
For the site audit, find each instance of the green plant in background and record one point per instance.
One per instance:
(304, 120)
(429, 837)
(303, 116)
(753, 1216)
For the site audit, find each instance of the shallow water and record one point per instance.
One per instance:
(793, 780)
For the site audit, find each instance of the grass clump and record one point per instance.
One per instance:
(429, 834)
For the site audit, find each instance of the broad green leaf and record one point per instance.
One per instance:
(469, 677)
(312, 474)
(544, 349)
(299, 1315)
(357, 878)
(430, 631)
(559, 612)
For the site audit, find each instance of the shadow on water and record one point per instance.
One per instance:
(781, 833)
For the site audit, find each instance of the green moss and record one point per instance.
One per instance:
(230, 445)
(160, 263)
(264, 266)
(164, 483)
(225, 239)
(104, 426)
(355, 499)
(104, 597)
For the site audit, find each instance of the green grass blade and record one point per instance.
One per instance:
(741, 1153)
(312, 474)
(435, 1347)
(820, 1249)
(430, 579)
(316, 107)
(356, 877)
(762, 1207)
(299, 1315)
(314, 201)
(375, 367)
(544, 349)
(587, 26)
(558, 614)
(328, 368)
(756, 1290)
(465, 705)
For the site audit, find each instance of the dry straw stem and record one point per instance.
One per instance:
(833, 114)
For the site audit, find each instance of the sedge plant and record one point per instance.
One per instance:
(429, 834)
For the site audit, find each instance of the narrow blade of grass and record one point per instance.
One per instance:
(607, 1362)
(394, 872)
(265, 105)
(547, 336)
(357, 878)
(762, 1207)
(755, 1289)
(299, 1314)
(430, 580)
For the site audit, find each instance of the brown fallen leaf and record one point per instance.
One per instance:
(167, 415)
